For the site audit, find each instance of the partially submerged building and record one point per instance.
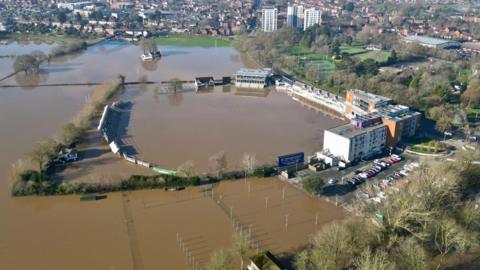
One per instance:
(204, 82)
(253, 78)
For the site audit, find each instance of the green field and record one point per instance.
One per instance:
(48, 38)
(379, 56)
(308, 58)
(305, 54)
(192, 40)
(430, 147)
(327, 67)
(362, 54)
(350, 50)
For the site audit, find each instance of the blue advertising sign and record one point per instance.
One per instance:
(292, 159)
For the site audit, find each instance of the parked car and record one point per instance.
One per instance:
(332, 181)
(363, 175)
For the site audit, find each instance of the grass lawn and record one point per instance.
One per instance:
(191, 40)
(326, 67)
(350, 50)
(362, 54)
(305, 54)
(430, 147)
(379, 56)
(48, 38)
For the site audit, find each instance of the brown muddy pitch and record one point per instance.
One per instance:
(138, 230)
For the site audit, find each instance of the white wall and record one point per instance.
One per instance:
(337, 145)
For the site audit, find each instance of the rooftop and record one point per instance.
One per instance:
(349, 131)
(428, 40)
(266, 260)
(265, 72)
(369, 96)
(396, 112)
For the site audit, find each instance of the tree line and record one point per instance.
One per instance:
(429, 222)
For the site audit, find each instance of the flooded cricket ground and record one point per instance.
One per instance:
(141, 229)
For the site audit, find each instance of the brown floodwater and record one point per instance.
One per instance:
(138, 230)
(171, 129)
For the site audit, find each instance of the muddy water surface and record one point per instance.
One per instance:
(138, 230)
(171, 129)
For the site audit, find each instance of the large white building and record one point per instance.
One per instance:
(269, 19)
(351, 143)
(252, 78)
(311, 17)
(295, 16)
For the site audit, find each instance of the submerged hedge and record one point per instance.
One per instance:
(32, 182)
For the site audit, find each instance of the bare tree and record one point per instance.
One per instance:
(248, 163)
(410, 256)
(447, 236)
(220, 260)
(471, 96)
(70, 134)
(377, 260)
(241, 246)
(175, 83)
(149, 45)
(186, 169)
(218, 163)
(43, 151)
(26, 63)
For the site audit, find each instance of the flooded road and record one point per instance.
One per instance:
(138, 230)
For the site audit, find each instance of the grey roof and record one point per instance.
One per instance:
(349, 131)
(369, 96)
(429, 40)
(265, 72)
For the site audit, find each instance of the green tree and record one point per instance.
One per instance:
(393, 58)
(313, 184)
(350, 6)
(62, 16)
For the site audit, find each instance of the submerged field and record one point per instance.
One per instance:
(137, 230)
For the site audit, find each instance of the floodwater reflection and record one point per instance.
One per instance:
(31, 81)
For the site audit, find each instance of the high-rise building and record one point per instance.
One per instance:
(311, 17)
(295, 16)
(269, 19)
